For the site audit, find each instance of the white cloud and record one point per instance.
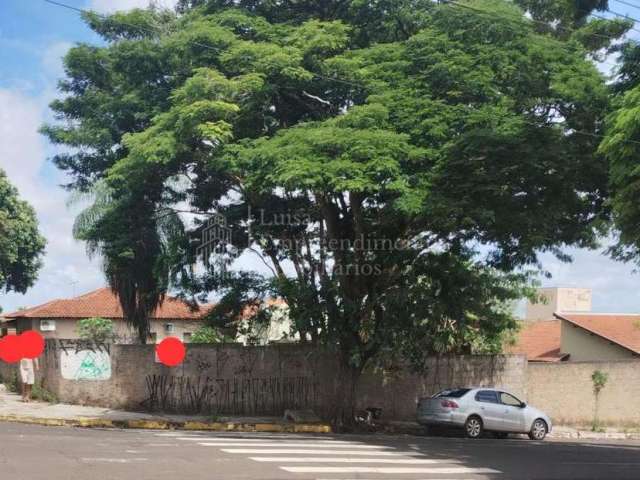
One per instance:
(23, 156)
(109, 6)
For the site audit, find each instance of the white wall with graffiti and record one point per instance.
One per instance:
(94, 365)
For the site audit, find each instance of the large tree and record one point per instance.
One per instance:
(21, 245)
(421, 156)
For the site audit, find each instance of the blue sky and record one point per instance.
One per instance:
(34, 35)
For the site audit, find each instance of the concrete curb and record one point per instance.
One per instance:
(171, 425)
(587, 435)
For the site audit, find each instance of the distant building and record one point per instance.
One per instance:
(564, 329)
(59, 318)
(558, 299)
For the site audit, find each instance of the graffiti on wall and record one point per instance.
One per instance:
(236, 395)
(81, 360)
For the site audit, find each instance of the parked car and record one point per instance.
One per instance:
(479, 410)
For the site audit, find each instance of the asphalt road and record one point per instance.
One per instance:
(30, 452)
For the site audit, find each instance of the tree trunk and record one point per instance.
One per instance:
(342, 407)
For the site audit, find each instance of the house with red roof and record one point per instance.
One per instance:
(59, 318)
(562, 328)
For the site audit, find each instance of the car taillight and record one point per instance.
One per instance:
(449, 404)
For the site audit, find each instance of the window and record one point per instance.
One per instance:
(186, 337)
(47, 325)
(487, 396)
(169, 328)
(509, 400)
(453, 393)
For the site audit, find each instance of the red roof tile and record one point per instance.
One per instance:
(623, 330)
(539, 341)
(104, 303)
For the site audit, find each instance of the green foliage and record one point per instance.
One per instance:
(42, 394)
(21, 245)
(11, 384)
(96, 329)
(424, 151)
(206, 334)
(621, 147)
(599, 379)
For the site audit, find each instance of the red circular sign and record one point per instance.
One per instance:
(32, 344)
(10, 347)
(171, 351)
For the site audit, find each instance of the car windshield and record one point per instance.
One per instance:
(454, 393)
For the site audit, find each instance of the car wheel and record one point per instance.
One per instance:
(538, 430)
(473, 426)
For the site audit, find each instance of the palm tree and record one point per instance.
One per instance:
(138, 242)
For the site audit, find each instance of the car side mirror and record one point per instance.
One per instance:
(522, 405)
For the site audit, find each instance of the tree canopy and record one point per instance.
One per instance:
(422, 155)
(21, 245)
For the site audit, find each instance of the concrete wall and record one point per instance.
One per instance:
(398, 392)
(585, 347)
(232, 379)
(565, 391)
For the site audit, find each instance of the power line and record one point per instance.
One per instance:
(628, 4)
(626, 17)
(539, 22)
(359, 85)
(199, 44)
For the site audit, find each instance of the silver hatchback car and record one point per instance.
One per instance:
(483, 409)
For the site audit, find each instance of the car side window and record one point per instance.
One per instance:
(486, 396)
(507, 399)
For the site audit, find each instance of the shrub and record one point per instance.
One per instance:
(207, 335)
(41, 393)
(96, 329)
(599, 379)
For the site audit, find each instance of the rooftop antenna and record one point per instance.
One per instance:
(73, 284)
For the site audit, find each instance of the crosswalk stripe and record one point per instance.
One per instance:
(254, 451)
(246, 436)
(284, 444)
(390, 470)
(265, 440)
(408, 461)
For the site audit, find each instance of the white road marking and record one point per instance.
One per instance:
(242, 436)
(286, 444)
(241, 440)
(408, 461)
(303, 451)
(114, 460)
(390, 470)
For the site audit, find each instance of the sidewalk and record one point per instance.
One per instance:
(12, 409)
(558, 432)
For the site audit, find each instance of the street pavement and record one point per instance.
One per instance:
(33, 452)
